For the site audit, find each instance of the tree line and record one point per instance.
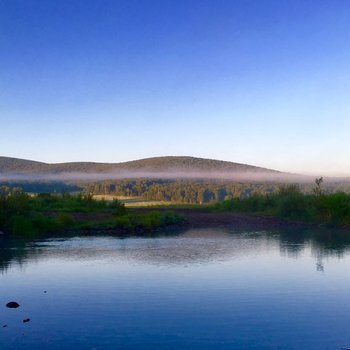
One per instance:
(184, 191)
(187, 191)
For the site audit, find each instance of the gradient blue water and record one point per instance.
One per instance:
(203, 289)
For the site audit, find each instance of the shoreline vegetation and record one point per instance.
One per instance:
(22, 214)
(289, 203)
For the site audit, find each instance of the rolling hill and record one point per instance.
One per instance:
(179, 179)
(169, 166)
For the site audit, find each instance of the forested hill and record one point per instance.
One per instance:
(172, 165)
(8, 165)
(158, 164)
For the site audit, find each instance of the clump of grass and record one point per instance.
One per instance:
(149, 221)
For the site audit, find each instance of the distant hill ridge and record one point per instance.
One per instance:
(156, 164)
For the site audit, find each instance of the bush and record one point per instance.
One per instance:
(125, 222)
(22, 226)
(152, 220)
(170, 218)
(65, 220)
(117, 207)
(333, 208)
(291, 203)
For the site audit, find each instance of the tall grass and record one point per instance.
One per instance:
(290, 203)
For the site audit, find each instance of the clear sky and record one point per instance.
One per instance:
(259, 82)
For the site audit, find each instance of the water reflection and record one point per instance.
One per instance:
(323, 244)
(190, 247)
(200, 289)
(331, 241)
(11, 251)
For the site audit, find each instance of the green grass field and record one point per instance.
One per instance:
(135, 202)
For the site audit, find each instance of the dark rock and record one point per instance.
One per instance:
(4, 326)
(26, 320)
(45, 291)
(12, 305)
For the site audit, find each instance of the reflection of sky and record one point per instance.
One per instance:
(193, 289)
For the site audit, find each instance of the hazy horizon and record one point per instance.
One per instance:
(263, 174)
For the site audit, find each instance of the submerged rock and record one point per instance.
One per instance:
(4, 326)
(12, 305)
(26, 320)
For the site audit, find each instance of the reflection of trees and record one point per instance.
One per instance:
(21, 250)
(329, 243)
(292, 242)
(196, 246)
(11, 251)
(322, 242)
(189, 247)
(332, 242)
(193, 246)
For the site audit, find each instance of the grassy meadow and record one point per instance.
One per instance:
(132, 201)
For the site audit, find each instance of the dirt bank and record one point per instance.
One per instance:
(205, 218)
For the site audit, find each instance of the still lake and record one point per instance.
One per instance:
(199, 289)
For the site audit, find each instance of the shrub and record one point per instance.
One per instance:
(151, 220)
(291, 203)
(125, 222)
(65, 220)
(117, 207)
(333, 208)
(22, 226)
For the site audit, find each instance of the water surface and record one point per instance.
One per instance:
(201, 289)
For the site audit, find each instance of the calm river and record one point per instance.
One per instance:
(200, 289)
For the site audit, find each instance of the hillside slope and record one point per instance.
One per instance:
(149, 165)
(8, 165)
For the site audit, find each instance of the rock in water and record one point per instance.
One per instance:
(26, 320)
(12, 305)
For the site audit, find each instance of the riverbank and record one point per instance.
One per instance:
(207, 217)
(146, 221)
(21, 214)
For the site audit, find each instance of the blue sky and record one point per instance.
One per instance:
(258, 82)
